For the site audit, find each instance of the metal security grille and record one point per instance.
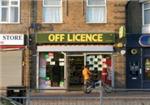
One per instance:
(10, 68)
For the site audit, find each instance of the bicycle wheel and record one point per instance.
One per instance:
(87, 88)
(107, 88)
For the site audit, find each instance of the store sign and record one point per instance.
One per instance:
(11, 39)
(145, 40)
(76, 38)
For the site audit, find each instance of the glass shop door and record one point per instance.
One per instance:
(74, 68)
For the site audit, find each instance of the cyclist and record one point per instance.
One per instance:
(86, 74)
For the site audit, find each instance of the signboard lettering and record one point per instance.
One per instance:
(75, 38)
(11, 39)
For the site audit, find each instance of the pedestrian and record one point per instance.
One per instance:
(86, 74)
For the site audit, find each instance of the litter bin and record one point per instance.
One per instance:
(17, 93)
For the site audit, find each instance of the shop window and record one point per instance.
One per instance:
(96, 11)
(93, 61)
(9, 11)
(146, 13)
(147, 68)
(52, 11)
(96, 64)
(51, 69)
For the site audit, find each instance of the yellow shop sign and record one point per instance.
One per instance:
(75, 38)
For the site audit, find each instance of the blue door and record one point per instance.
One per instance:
(133, 68)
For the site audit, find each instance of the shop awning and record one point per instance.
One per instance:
(75, 48)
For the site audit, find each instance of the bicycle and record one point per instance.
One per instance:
(88, 87)
(91, 84)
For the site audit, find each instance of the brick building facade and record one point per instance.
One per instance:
(14, 57)
(74, 17)
(74, 20)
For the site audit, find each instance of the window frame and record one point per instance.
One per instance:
(143, 12)
(101, 5)
(51, 6)
(9, 13)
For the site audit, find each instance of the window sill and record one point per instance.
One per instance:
(96, 22)
(146, 28)
(146, 25)
(9, 23)
(52, 23)
(141, 1)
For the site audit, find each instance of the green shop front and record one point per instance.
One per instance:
(61, 57)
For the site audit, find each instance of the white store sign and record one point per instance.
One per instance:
(11, 39)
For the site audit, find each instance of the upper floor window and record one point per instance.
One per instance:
(9, 11)
(52, 11)
(146, 13)
(96, 11)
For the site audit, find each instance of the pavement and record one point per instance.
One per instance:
(65, 94)
(80, 98)
(94, 94)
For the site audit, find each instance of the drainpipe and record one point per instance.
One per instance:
(32, 44)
